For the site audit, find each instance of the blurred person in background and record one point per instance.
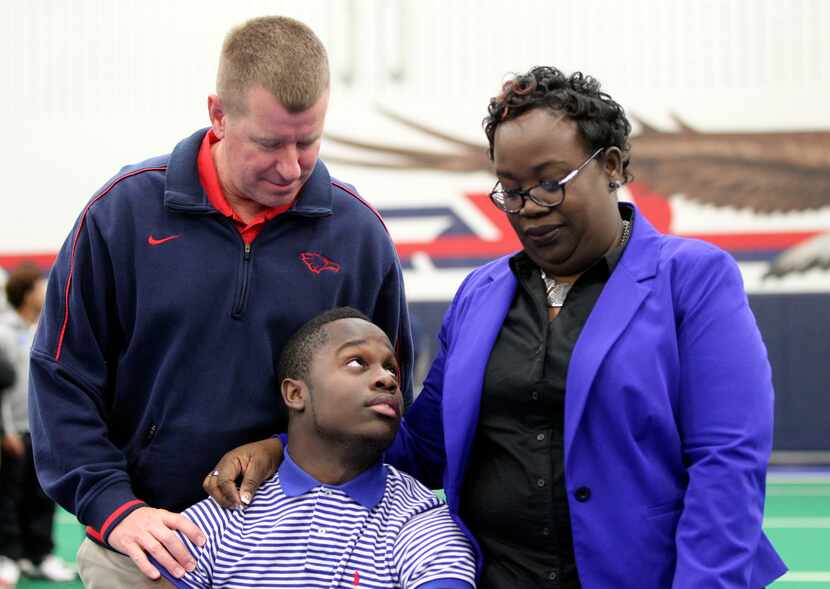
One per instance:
(600, 409)
(177, 287)
(26, 513)
(7, 373)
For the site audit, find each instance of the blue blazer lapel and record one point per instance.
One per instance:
(477, 325)
(627, 288)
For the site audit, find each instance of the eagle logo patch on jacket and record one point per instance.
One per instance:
(318, 263)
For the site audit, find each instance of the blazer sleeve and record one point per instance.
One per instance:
(725, 409)
(70, 394)
(419, 448)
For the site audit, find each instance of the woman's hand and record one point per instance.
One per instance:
(254, 463)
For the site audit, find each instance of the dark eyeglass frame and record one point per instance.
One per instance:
(498, 197)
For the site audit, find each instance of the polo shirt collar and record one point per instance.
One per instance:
(366, 489)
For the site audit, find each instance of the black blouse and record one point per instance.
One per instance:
(514, 497)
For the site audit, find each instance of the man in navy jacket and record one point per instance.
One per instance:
(178, 284)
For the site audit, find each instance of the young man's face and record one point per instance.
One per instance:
(353, 384)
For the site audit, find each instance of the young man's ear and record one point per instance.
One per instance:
(294, 393)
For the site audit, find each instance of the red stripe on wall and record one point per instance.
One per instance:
(467, 246)
(44, 261)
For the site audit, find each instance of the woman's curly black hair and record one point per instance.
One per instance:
(600, 120)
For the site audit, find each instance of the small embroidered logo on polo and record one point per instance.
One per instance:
(153, 241)
(356, 578)
(318, 263)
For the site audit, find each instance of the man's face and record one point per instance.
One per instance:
(266, 153)
(353, 390)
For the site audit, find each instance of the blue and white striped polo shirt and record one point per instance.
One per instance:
(381, 530)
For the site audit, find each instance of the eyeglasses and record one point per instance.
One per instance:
(548, 193)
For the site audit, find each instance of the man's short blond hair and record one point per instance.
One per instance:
(279, 53)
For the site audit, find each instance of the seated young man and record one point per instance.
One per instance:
(333, 515)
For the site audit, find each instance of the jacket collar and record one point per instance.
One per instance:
(366, 489)
(183, 192)
(642, 253)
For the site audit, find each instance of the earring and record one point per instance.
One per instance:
(613, 185)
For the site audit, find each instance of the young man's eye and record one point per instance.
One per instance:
(356, 362)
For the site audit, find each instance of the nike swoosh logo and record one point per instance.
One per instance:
(153, 241)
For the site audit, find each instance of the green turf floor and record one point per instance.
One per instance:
(797, 521)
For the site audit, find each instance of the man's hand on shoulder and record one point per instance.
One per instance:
(153, 531)
(254, 463)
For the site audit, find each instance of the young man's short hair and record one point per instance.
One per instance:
(279, 53)
(295, 360)
(20, 282)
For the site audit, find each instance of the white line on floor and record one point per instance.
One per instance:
(796, 522)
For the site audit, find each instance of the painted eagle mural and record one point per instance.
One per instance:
(764, 172)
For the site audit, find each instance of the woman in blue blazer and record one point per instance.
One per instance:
(666, 422)
(600, 409)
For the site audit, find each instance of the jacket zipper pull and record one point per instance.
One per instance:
(151, 433)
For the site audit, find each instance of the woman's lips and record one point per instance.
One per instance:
(543, 234)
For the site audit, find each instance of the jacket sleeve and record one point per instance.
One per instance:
(725, 409)
(70, 398)
(419, 448)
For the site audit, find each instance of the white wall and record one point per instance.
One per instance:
(89, 85)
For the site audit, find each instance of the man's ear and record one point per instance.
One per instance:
(216, 112)
(294, 394)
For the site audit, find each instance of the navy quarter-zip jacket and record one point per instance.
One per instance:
(156, 348)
